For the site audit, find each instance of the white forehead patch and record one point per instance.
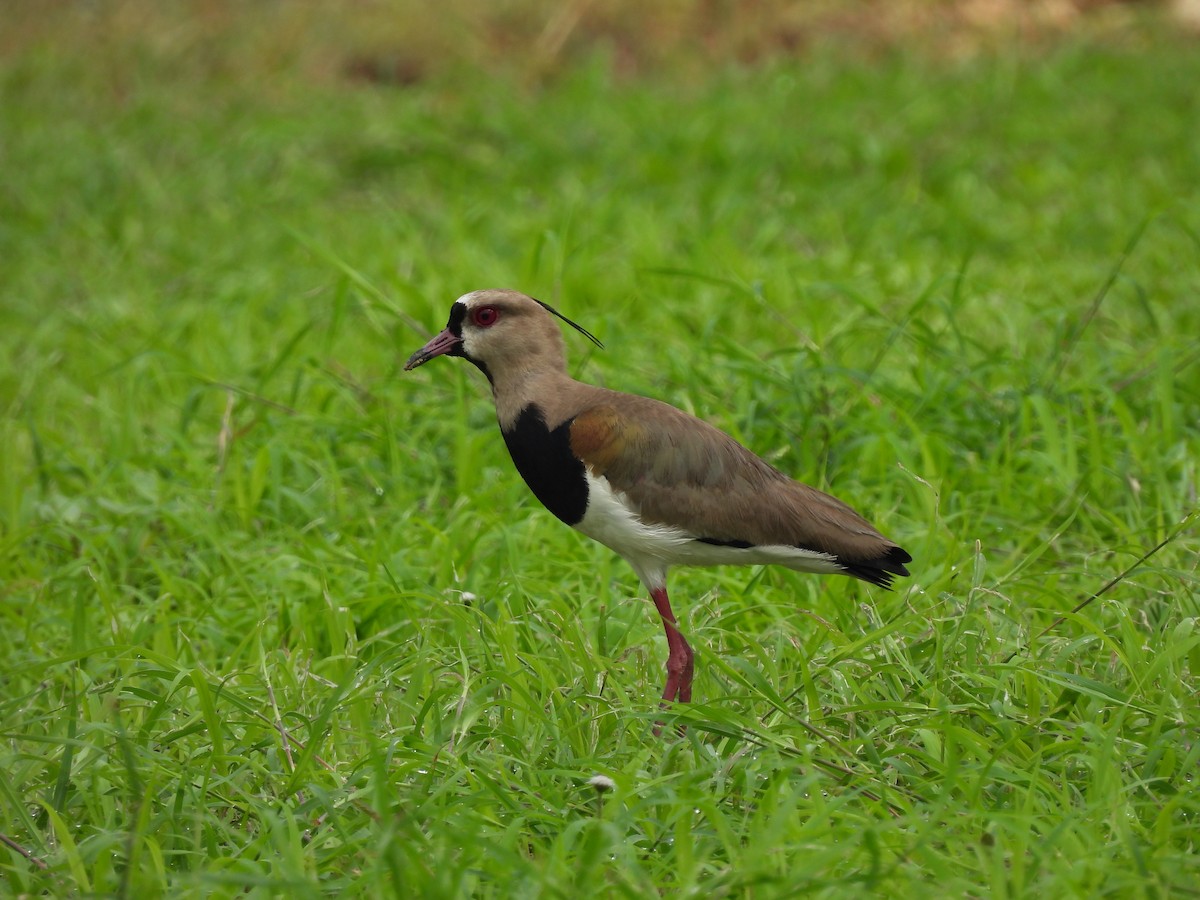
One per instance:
(466, 299)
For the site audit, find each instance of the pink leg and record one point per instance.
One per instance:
(680, 660)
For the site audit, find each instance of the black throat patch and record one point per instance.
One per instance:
(545, 461)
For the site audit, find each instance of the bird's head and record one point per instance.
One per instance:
(502, 332)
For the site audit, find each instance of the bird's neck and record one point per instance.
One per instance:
(550, 390)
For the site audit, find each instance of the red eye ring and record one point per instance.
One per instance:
(485, 316)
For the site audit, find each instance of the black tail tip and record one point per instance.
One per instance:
(882, 570)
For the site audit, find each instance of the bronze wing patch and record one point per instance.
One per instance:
(599, 437)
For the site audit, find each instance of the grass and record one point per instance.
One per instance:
(280, 618)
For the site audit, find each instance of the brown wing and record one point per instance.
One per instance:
(678, 470)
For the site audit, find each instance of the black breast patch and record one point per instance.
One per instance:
(545, 461)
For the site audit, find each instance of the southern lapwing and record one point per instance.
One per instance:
(660, 487)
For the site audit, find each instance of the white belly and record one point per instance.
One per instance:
(652, 549)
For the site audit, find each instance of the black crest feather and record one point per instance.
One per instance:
(587, 334)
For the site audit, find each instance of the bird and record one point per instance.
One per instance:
(653, 483)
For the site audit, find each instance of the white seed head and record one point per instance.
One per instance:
(602, 783)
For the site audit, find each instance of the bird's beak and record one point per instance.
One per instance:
(442, 343)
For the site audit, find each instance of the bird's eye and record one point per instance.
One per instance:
(485, 316)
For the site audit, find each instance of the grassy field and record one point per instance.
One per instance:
(279, 618)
